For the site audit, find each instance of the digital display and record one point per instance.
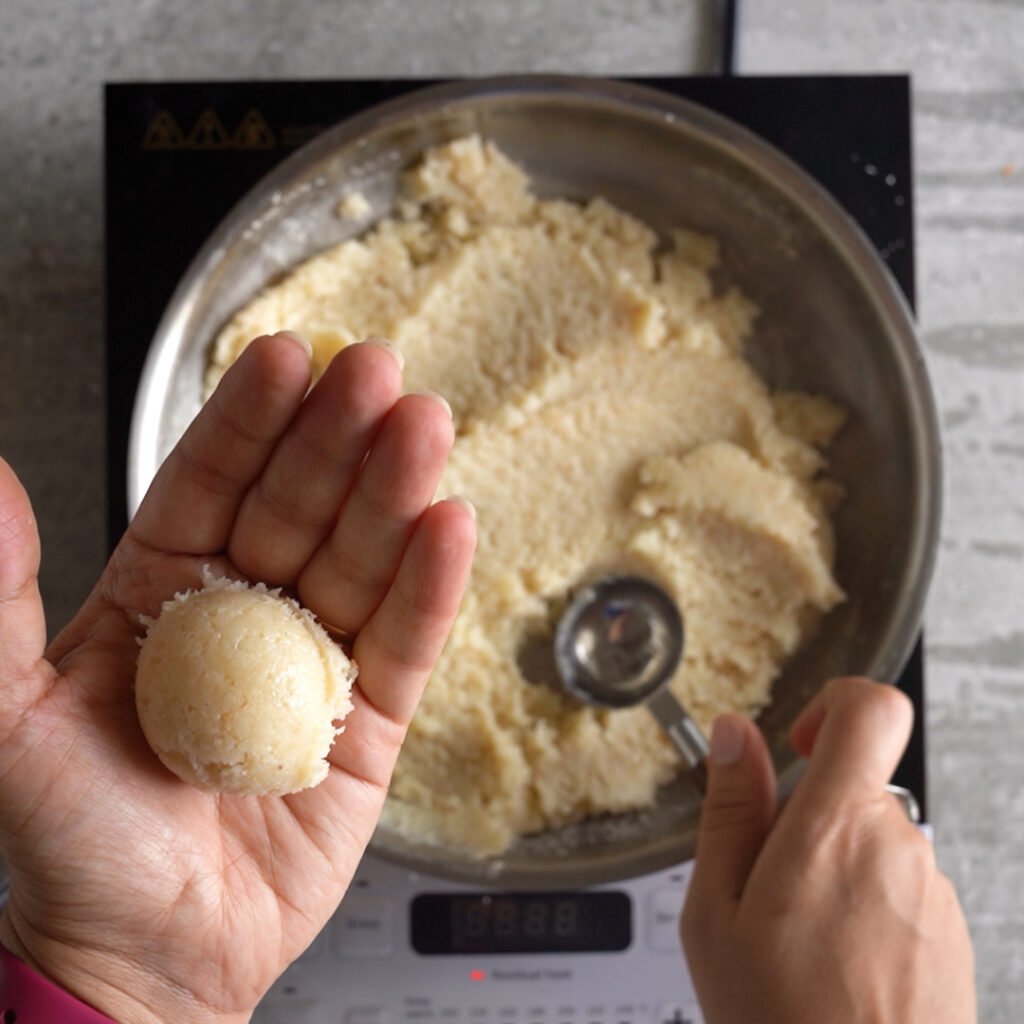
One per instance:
(548, 922)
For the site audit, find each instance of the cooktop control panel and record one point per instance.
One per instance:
(406, 947)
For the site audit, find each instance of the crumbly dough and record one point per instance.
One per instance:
(355, 206)
(606, 421)
(241, 690)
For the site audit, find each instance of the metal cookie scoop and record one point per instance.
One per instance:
(619, 643)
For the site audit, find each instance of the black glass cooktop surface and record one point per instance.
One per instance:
(179, 155)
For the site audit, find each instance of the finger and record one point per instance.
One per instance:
(352, 570)
(737, 816)
(292, 507)
(862, 730)
(22, 623)
(397, 649)
(192, 503)
(804, 731)
(396, 652)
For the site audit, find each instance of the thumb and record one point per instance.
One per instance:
(22, 624)
(735, 821)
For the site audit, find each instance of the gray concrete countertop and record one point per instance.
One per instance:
(965, 56)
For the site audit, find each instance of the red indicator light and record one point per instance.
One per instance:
(477, 975)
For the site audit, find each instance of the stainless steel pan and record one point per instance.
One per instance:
(833, 322)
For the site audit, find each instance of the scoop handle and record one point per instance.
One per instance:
(682, 730)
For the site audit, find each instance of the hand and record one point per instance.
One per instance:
(835, 911)
(147, 898)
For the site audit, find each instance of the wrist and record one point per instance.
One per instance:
(76, 975)
(26, 995)
(116, 988)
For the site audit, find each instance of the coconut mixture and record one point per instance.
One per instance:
(240, 690)
(606, 421)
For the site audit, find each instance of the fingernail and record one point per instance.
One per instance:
(728, 738)
(437, 398)
(299, 340)
(388, 346)
(458, 499)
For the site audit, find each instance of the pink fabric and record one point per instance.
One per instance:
(36, 1000)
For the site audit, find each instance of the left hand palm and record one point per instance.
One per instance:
(149, 898)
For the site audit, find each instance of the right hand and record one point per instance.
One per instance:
(835, 909)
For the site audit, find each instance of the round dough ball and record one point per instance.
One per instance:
(241, 690)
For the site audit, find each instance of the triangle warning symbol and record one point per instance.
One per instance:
(208, 133)
(163, 132)
(253, 132)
